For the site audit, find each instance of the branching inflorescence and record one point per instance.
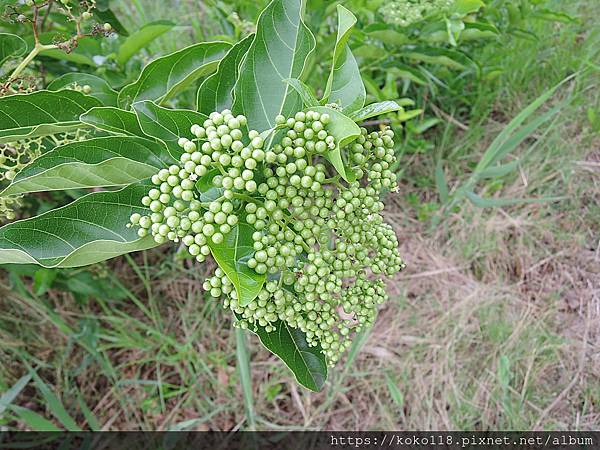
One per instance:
(321, 242)
(405, 13)
(15, 156)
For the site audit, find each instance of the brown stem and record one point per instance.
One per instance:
(47, 14)
(34, 25)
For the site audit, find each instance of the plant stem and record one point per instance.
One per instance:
(37, 49)
(243, 360)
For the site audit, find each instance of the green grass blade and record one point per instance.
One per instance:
(481, 202)
(499, 171)
(54, 404)
(88, 414)
(501, 140)
(520, 135)
(9, 396)
(245, 377)
(33, 420)
(357, 344)
(440, 182)
(395, 393)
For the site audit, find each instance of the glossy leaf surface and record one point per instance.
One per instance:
(216, 92)
(100, 162)
(279, 51)
(99, 87)
(87, 231)
(166, 76)
(42, 113)
(232, 256)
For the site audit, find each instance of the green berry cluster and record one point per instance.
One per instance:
(86, 88)
(407, 12)
(16, 155)
(8, 206)
(322, 243)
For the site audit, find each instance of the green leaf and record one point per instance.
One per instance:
(11, 46)
(43, 279)
(100, 87)
(243, 363)
(370, 52)
(87, 231)
(167, 125)
(105, 15)
(454, 28)
(440, 182)
(374, 109)
(279, 51)
(373, 88)
(442, 57)
(306, 92)
(33, 420)
(307, 363)
(512, 135)
(9, 396)
(101, 162)
(113, 120)
(166, 76)
(207, 190)
(465, 7)
(141, 38)
(387, 34)
(88, 414)
(395, 392)
(42, 113)
(424, 125)
(232, 256)
(498, 150)
(553, 16)
(344, 85)
(499, 171)
(405, 116)
(345, 131)
(407, 73)
(405, 102)
(216, 92)
(478, 30)
(481, 202)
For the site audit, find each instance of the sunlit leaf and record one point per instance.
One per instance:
(307, 363)
(167, 125)
(374, 109)
(216, 92)
(306, 93)
(141, 38)
(87, 231)
(100, 162)
(99, 87)
(344, 85)
(279, 51)
(232, 256)
(11, 46)
(113, 120)
(166, 76)
(344, 130)
(41, 113)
